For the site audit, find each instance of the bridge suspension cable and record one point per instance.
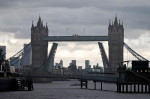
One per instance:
(135, 54)
(23, 52)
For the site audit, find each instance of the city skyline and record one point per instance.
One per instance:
(82, 17)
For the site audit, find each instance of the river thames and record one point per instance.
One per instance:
(71, 90)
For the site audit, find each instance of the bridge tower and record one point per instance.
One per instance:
(39, 46)
(115, 43)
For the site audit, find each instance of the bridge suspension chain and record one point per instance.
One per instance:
(23, 52)
(135, 54)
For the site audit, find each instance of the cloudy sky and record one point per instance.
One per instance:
(93, 15)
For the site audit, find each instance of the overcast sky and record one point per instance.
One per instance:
(93, 15)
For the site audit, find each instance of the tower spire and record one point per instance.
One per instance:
(39, 16)
(116, 20)
(39, 21)
(32, 25)
(46, 26)
(109, 22)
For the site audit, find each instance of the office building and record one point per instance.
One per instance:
(87, 64)
(4, 51)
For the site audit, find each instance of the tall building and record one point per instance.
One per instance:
(74, 62)
(115, 42)
(56, 66)
(61, 63)
(73, 67)
(26, 59)
(4, 51)
(39, 47)
(87, 64)
(79, 67)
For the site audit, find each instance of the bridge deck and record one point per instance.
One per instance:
(76, 38)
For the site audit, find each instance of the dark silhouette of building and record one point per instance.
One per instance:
(39, 46)
(115, 42)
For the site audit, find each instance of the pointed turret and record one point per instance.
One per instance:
(116, 20)
(122, 24)
(109, 23)
(32, 25)
(46, 26)
(39, 23)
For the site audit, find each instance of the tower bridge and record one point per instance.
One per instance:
(40, 39)
(42, 62)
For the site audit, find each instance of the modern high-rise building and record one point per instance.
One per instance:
(61, 63)
(56, 66)
(115, 42)
(39, 46)
(87, 64)
(79, 67)
(4, 51)
(74, 62)
(26, 57)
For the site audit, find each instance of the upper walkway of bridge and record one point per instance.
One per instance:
(76, 38)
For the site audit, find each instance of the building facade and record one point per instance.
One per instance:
(115, 43)
(61, 63)
(74, 62)
(87, 64)
(4, 51)
(39, 46)
(79, 67)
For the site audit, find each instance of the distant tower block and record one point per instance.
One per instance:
(87, 64)
(115, 42)
(39, 47)
(4, 51)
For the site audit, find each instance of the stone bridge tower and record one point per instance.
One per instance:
(115, 43)
(39, 47)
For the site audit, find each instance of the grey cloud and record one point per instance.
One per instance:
(72, 3)
(52, 3)
(134, 17)
(93, 15)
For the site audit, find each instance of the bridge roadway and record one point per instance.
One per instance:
(76, 38)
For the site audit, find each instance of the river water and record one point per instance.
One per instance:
(71, 90)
